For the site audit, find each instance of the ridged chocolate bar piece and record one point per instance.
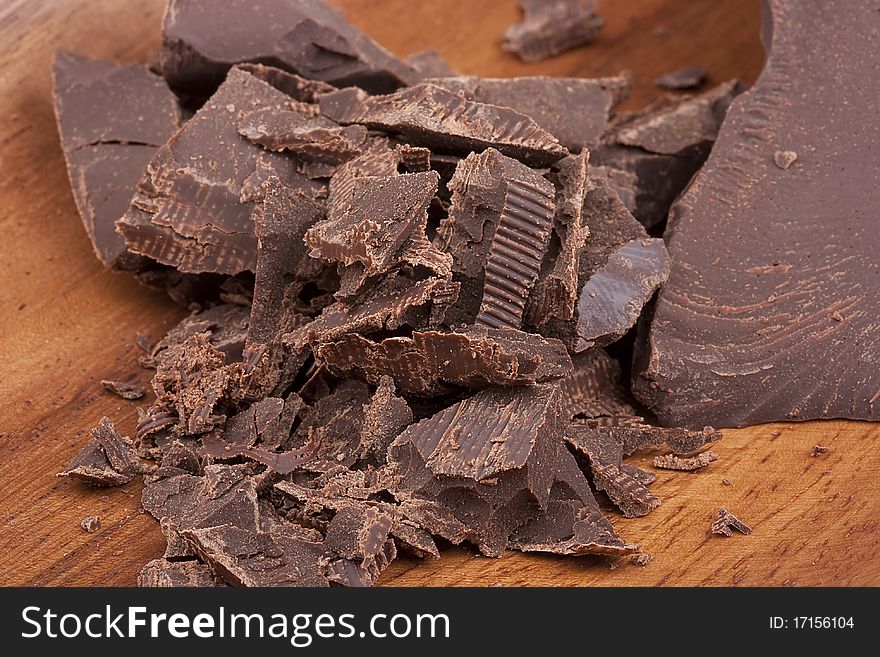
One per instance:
(202, 39)
(550, 27)
(188, 211)
(574, 110)
(431, 116)
(780, 323)
(596, 387)
(111, 119)
(428, 363)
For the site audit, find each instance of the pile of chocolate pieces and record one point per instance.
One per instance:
(413, 295)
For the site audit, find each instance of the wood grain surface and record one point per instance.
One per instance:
(66, 323)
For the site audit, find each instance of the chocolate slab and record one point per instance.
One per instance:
(497, 232)
(431, 116)
(619, 270)
(201, 40)
(111, 119)
(690, 77)
(550, 27)
(427, 362)
(574, 110)
(753, 332)
(188, 211)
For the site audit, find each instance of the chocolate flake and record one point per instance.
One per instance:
(690, 77)
(550, 27)
(685, 463)
(727, 522)
(106, 460)
(123, 389)
(91, 524)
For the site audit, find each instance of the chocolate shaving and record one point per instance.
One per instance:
(727, 522)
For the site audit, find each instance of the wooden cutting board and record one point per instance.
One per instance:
(66, 323)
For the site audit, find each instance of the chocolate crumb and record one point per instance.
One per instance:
(685, 463)
(726, 482)
(91, 524)
(641, 559)
(727, 522)
(784, 159)
(684, 78)
(819, 449)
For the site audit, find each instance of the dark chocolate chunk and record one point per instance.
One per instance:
(572, 523)
(726, 522)
(163, 573)
(385, 416)
(550, 27)
(358, 533)
(188, 211)
(690, 77)
(123, 389)
(348, 572)
(488, 461)
(91, 524)
(574, 110)
(243, 557)
(280, 223)
(107, 459)
(497, 232)
(685, 463)
(111, 119)
(225, 326)
(472, 357)
(624, 484)
(596, 387)
(748, 334)
(381, 226)
(556, 292)
(432, 116)
(430, 64)
(619, 269)
(653, 154)
(202, 39)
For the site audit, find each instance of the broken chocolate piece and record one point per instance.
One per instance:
(163, 573)
(619, 270)
(442, 120)
(91, 524)
(596, 387)
(690, 77)
(430, 64)
(111, 119)
(472, 357)
(123, 389)
(684, 463)
(106, 460)
(727, 522)
(385, 416)
(488, 460)
(244, 557)
(188, 210)
(379, 225)
(574, 110)
(201, 40)
(747, 334)
(550, 27)
(497, 232)
(653, 154)
(624, 484)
